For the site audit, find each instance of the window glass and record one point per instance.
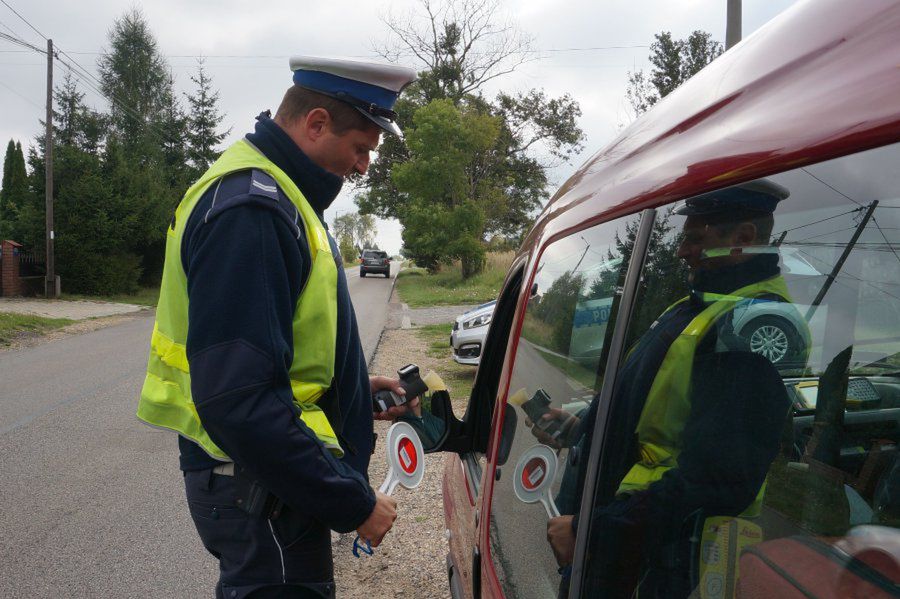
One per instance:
(751, 448)
(568, 320)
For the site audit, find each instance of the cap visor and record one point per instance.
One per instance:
(385, 124)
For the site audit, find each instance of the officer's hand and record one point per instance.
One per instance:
(380, 520)
(377, 383)
(562, 539)
(566, 421)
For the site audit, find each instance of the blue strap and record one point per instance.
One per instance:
(357, 547)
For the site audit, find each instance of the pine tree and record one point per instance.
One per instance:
(142, 149)
(203, 121)
(172, 125)
(135, 78)
(674, 62)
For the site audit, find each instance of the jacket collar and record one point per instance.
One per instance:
(731, 278)
(318, 186)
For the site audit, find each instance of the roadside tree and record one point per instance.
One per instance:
(460, 46)
(203, 122)
(13, 190)
(358, 228)
(674, 62)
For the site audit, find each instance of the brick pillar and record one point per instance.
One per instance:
(10, 283)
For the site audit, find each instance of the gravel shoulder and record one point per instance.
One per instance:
(411, 560)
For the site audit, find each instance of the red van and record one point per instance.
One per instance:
(678, 457)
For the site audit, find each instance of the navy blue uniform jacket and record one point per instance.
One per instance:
(246, 261)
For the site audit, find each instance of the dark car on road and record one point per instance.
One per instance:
(374, 262)
(807, 103)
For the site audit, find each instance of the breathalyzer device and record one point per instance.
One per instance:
(411, 382)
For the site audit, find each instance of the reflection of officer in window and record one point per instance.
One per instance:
(706, 413)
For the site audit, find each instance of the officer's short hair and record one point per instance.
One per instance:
(298, 101)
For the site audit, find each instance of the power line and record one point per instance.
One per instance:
(30, 101)
(85, 77)
(880, 230)
(847, 274)
(21, 42)
(24, 20)
(819, 235)
(830, 187)
(816, 222)
(125, 108)
(284, 56)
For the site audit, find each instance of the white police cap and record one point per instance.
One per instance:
(370, 87)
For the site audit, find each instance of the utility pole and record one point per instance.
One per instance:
(50, 288)
(843, 258)
(733, 23)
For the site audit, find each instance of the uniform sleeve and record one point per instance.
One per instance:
(243, 271)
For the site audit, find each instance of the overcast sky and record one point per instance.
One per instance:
(247, 45)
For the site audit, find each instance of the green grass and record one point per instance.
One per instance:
(146, 296)
(436, 335)
(458, 377)
(447, 287)
(14, 325)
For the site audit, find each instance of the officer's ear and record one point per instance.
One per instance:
(316, 123)
(744, 234)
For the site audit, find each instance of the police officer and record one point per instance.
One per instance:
(701, 414)
(255, 357)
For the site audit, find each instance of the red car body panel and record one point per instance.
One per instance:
(821, 80)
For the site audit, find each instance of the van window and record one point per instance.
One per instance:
(374, 254)
(568, 319)
(752, 442)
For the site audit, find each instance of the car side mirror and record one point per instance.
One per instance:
(437, 426)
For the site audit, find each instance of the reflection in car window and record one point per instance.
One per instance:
(756, 413)
(569, 316)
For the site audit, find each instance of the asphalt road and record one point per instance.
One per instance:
(91, 500)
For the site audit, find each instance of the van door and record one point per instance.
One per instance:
(537, 457)
(751, 447)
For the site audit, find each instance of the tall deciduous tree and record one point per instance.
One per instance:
(461, 45)
(203, 121)
(446, 215)
(674, 62)
(358, 228)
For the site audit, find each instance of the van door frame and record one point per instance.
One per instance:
(613, 361)
(486, 579)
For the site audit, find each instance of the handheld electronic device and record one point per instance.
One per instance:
(411, 382)
(536, 407)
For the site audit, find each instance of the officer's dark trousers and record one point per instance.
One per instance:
(287, 557)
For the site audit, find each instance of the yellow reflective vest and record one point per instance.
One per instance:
(668, 405)
(166, 395)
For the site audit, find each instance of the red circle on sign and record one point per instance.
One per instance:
(406, 455)
(534, 473)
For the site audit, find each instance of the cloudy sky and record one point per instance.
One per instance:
(246, 45)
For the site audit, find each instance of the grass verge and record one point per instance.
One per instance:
(146, 296)
(447, 287)
(459, 377)
(16, 325)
